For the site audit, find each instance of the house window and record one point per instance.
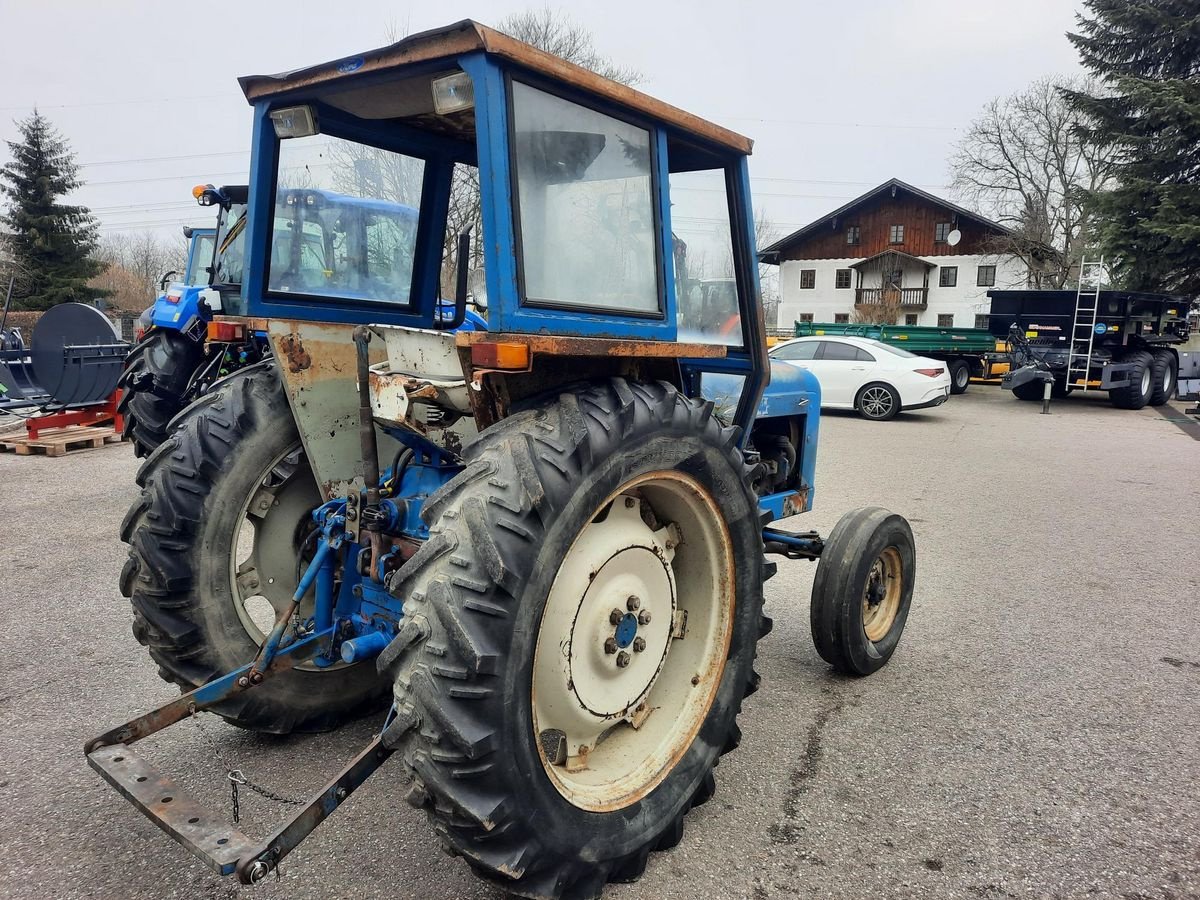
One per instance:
(804, 317)
(841, 318)
(910, 318)
(948, 276)
(808, 279)
(986, 276)
(981, 322)
(945, 320)
(853, 235)
(940, 232)
(897, 235)
(841, 278)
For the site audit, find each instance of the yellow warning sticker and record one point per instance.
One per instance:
(1031, 334)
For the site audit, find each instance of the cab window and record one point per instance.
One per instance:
(585, 206)
(345, 222)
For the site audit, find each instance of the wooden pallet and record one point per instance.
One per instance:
(60, 441)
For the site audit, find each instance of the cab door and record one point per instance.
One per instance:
(842, 369)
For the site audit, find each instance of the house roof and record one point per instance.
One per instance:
(771, 254)
(897, 253)
(452, 41)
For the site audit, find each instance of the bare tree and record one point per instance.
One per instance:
(553, 31)
(135, 262)
(766, 232)
(1025, 162)
(885, 312)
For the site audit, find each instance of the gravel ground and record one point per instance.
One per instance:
(1037, 733)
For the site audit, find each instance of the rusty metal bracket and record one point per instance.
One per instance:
(222, 847)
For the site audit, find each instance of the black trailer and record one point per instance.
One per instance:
(1123, 342)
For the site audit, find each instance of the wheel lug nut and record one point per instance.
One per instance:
(633, 603)
(639, 644)
(644, 617)
(610, 646)
(630, 503)
(622, 659)
(615, 616)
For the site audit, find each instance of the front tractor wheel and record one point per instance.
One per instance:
(580, 632)
(155, 383)
(217, 540)
(862, 590)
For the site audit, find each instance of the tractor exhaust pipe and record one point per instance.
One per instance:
(366, 437)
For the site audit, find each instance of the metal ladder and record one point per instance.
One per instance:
(1087, 308)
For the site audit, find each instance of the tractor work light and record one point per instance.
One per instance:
(204, 194)
(294, 122)
(226, 332)
(453, 93)
(497, 355)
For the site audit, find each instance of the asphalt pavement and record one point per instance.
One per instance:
(1037, 733)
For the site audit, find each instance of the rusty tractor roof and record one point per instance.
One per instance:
(469, 36)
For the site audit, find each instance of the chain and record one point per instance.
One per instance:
(236, 777)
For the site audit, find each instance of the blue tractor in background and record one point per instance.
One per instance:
(541, 547)
(181, 351)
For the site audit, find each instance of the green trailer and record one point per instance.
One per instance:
(968, 352)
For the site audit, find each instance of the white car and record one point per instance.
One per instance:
(874, 378)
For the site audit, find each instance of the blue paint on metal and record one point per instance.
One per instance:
(626, 630)
(365, 647)
(807, 543)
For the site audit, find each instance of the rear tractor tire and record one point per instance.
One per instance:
(215, 543)
(581, 630)
(157, 373)
(960, 376)
(1164, 371)
(1140, 389)
(863, 590)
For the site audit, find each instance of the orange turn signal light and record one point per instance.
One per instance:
(225, 332)
(198, 190)
(498, 355)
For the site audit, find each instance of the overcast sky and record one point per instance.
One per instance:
(838, 96)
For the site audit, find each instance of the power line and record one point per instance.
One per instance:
(40, 106)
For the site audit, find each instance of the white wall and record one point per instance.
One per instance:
(963, 301)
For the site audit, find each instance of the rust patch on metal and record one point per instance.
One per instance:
(796, 503)
(297, 357)
(559, 345)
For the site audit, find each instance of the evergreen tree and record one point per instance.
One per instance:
(51, 243)
(1146, 55)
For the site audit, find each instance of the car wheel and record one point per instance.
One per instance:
(879, 402)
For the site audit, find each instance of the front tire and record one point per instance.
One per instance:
(515, 714)
(157, 373)
(215, 541)
(863, 590)
(1138, 392)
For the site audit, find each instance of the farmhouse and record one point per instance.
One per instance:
(896, 253)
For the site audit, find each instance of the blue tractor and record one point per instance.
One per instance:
(540, 547)
(181, 351)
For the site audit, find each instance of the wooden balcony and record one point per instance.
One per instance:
(910, 298)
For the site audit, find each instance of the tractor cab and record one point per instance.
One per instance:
(551, 191)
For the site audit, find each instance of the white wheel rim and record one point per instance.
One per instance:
(1146, 381)
(1168, 384)
(648, 582)
(263, 552)
(876, 402)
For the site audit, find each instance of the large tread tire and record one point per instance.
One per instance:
(1137, 393)
(474, 596)
(960, 376)
(180, 534)
(1030, 390)
(836, 609)
(157, 372)
(1164, 372)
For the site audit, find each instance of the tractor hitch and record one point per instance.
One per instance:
(222, 847)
